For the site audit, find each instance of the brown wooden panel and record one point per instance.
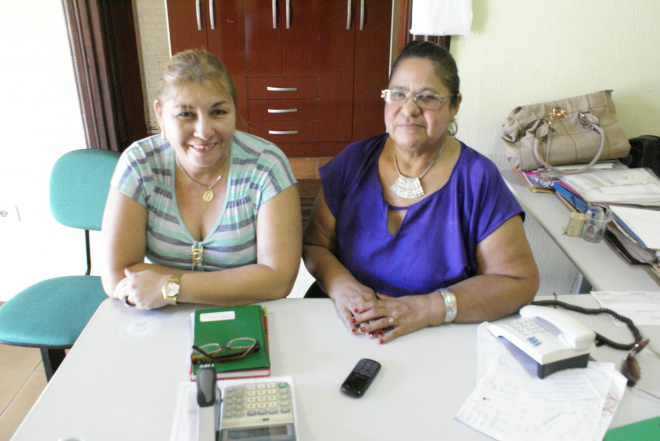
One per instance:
(184, 31)
(263, 43)
(300, 41)
(311, 149)
(302, 88)
(372, 63)
(283, 110)
(306, 131)
(226, 39)
(336, 72)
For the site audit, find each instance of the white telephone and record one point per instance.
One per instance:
(552, 338)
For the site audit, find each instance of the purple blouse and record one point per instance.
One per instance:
(436, 244)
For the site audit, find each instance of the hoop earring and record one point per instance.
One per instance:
(453, 128)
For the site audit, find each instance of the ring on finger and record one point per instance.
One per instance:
(391, 320)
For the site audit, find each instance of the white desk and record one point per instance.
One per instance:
(598, 262)
(113, 388)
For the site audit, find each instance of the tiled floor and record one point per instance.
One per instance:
(22, 380)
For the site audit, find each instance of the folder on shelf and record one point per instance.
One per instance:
(570, 196)
(221, 325)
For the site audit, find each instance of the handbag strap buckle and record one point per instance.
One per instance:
(558, 113)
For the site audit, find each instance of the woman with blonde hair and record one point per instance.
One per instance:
(214, 211)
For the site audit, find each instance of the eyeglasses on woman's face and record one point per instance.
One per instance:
(236, 349)
(424, 100)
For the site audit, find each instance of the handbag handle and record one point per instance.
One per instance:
(584, 121)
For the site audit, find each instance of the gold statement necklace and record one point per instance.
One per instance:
(208, 194)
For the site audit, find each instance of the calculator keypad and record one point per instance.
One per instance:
(257, 404)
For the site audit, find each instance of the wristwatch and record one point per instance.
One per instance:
(172, 289)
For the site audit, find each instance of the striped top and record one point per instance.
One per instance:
(258, 170)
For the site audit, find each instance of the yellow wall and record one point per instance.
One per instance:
(526, 51)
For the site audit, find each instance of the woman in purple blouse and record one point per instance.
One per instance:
(413, 228)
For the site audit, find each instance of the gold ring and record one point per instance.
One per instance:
(391, 319)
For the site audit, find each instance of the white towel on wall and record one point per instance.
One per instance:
(441, 17)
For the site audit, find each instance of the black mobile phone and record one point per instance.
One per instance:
(360, 378)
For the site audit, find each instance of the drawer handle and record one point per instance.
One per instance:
(211, 14)
(282, 132)
(282, 110)
(198, 7)
(349, 11)
(281, 89)
(362, 15)
(274, 14)
(288, 14)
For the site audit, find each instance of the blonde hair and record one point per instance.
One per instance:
(195, 66)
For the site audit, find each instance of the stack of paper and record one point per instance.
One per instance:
(634, 186)
(510, 403)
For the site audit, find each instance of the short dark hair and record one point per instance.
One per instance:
(444, 63)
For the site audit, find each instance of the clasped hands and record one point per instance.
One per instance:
(141, 289)
(380, 316)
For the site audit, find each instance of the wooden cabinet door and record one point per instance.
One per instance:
(218, 27)
(187, 28)
(372, 66)
(282, 37)
(226, 39)
(353, 68)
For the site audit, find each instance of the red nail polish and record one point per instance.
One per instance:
(354, 320)
(362, 329)
(353, 331)
(355, 310)
(371, 335)
(380, 334)
(380, 341)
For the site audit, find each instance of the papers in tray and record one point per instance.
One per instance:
(634, 186)
(510, 403)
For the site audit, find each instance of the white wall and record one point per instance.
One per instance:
(520, 52)
(39, 121)
(524, 52)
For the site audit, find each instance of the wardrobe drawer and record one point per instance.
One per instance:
(282, 88)
(283, 110)
(286, 131)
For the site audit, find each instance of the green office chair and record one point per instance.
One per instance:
(51, 314)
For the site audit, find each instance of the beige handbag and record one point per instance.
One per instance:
(576, 130)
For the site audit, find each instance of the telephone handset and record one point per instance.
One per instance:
(552, 338)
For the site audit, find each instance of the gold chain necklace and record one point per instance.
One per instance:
(208, 194)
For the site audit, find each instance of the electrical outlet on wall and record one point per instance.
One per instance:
(8, 213)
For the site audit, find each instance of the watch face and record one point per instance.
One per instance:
(172, 289)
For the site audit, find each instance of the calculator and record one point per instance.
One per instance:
(258, 411)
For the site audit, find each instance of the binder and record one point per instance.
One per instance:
(574, 199)
(221, 325)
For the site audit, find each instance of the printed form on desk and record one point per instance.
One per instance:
(642, 307)
(510, 403)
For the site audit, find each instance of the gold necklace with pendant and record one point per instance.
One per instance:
(208, 194)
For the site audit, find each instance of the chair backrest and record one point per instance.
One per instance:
(79, 185)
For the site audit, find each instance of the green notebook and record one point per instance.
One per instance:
(647, 430)
(220, 325)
